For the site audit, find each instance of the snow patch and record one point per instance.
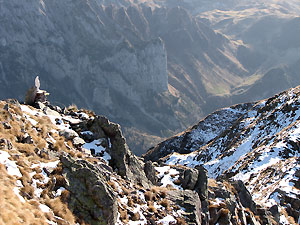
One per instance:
(11, 166)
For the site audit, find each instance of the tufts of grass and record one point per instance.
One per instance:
(180, 221)
(165, 203)
(149, 196)
(135, 217)
(27, 192)
(151, 207)
(60, 209)
(64, 197)
(123, 215)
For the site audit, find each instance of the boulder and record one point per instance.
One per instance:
(190, 201)
(77, 141)
(91, 198)
(68, 134)
(189, 179)
(150, 172)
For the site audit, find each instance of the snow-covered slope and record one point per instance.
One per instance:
(260, 147)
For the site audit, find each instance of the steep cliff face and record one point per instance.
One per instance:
(126, 60)
(77, 41)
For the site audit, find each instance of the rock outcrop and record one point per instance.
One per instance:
(122, 160)
(91, 198)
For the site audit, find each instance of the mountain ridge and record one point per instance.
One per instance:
(72, 166)
(259, 147)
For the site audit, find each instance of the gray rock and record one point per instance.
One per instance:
(77, 141)
(122, 159)
(68, 134)
(6, 125)
(150, 172)
(190, 201)
(190, 178)
(50, 112)
(91, 198)
(244, 195)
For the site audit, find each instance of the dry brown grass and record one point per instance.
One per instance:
(224, 212)
(37, 169)
(58, 169)
(60, 180)
(135, 217)
(151, 207)
(72, 153)
(27, 192)
(136, 200)
(27, 150)
(60, 209)
(25, 179)
(130, 202)
(79, 155)
(60, 145)
(38, 176)
(12, 210)
(161, 191)
(113, 185)
(212, 183)
(92, 160)
(149, 196)
(64, 197)
(123, 215)
(165, 203)
(125, 190)
(177, 182)
(180, 221)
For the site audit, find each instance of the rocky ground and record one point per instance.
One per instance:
(67, 166)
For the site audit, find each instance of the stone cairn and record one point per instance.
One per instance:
(34, 95)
